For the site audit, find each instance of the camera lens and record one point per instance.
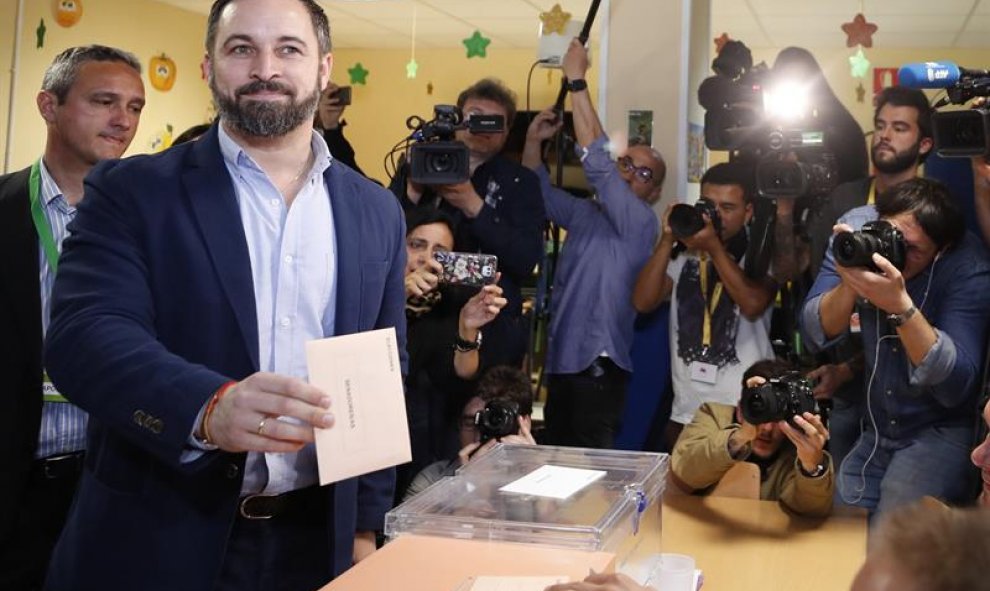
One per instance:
(685, 220)
(441, 162)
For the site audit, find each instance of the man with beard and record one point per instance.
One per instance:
(91, 100)
(794, 467)
(902, 139)
(187, 291)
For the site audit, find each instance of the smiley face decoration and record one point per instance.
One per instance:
(67, 12)
(161, 72)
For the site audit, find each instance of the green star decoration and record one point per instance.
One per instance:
(358, 74)
(859, 64)
(411, 69)
(476, 45)
(40, 33)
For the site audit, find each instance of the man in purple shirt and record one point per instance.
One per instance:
(609, 238)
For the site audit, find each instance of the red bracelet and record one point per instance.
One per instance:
(210, 407)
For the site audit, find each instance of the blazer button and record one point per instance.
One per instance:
(232, 471)
(139, 417)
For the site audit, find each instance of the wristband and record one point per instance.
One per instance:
(210, 407)
(462, 346)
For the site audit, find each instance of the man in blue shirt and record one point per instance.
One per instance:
(91, 100)
(609, 238)
(924, 331)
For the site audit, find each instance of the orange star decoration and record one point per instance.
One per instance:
(720, 42)
(555, 20)
(859, 32)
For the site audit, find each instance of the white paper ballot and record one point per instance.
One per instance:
(557, 482)
(487, 583)
(361, 374)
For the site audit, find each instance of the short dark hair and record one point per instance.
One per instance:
(902, 96)
(321, 25)
(61, 74)
(736, 173)
(507, 383)
(491, 89)
(766, 369)
(424, 217)
(932, 205)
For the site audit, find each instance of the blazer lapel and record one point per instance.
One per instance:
(214, 204)
(346, 216)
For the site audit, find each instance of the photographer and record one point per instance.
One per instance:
(609, 239)
(719, 317)
(498, 211)
(793, 466)
(328, 121)
(504, 397)
(444, 341)
(924, 381)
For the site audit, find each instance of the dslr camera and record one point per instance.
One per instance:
(687, 220)
(436, 158)
(778, 399)
(855, 249)
(499, 418)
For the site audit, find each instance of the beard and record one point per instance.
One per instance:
(265, 118)
(901, 161)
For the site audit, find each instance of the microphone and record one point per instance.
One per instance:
(943, 74)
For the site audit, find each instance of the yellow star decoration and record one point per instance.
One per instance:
(555, 20)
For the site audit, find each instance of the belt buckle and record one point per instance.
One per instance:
(53, 467)
(247, 513)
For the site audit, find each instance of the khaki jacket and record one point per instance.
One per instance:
(701, 457)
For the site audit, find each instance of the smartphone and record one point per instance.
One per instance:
(467, 268)
(343, 95)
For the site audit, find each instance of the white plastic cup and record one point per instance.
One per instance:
(674, 572)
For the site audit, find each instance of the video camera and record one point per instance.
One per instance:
(958, 133)
(437, 158)
(499, 418)
(778, 399)
(751, 111)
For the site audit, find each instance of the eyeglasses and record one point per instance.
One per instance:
(642, 173)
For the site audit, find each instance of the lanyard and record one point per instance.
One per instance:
(706, 330)
(873, 192)
(40, 221)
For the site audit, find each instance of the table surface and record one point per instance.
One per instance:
(743, 544)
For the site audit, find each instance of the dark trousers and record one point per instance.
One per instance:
(46, 501)
(288, 552)
(584, 409)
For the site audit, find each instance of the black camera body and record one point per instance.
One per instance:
(815, 173)
(499, 418)
(778, 399)
(962, 134)
(437, 158)
(855, 249)
(687, 220)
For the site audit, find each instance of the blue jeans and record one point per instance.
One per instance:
(933, 461)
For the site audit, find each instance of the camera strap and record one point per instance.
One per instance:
(710, 303)
(871, 196)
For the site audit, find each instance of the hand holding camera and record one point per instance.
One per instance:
(863, 263)
(331, 106)
(482, 308)
(424, 279)
(809, 436)
(788, 401)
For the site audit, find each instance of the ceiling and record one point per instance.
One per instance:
(760, 23)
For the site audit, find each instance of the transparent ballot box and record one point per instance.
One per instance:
(575, 498)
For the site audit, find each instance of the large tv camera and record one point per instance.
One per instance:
(436, 158)
(753, 112)
(957, 133)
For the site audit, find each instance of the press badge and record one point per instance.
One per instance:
(49, 393)
(854, 326)
(706, 373)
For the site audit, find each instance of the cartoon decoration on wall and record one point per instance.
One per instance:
(161, 72)
(859, 33)
(554, 21)
(67, 12)
(477, 45)
(40, 34)
(163, 139)
(358, 74)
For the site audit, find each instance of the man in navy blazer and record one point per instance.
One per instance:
(185, 293)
